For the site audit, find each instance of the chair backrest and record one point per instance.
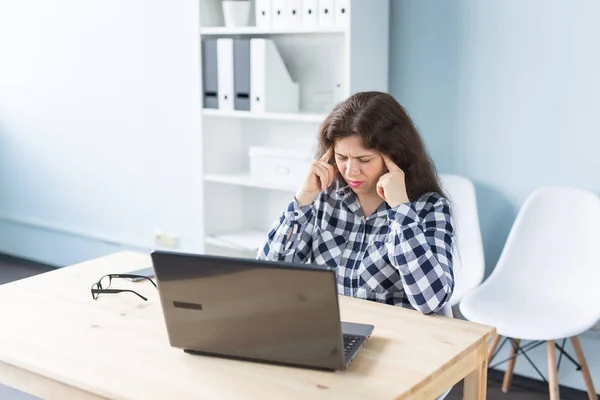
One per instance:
(553, 246)
(468, 254)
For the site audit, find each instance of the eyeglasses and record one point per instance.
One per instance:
(102, 286)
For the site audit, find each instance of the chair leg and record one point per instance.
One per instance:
(508, 374)
(552, 372)
(493, 346)
(589, 384)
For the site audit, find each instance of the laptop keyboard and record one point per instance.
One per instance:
(350, 342)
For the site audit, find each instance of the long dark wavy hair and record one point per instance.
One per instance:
(385, 126)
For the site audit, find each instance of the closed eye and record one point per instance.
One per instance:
(362, 161)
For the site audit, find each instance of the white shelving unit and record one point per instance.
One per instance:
(290, 117)
(246, 241)
(244, 179)
(324, 60)
(253, 30)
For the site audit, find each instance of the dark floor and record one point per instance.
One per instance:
(522, 388)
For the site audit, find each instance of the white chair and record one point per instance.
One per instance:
(468, 256)
(545, 284)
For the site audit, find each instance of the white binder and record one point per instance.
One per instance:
(326, 12)
(293, 13)
(342, 12)
(263, 13)
(310, 13)
(271, 87)
(225, 73)
(278, 13)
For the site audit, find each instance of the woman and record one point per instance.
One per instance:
(371, 206)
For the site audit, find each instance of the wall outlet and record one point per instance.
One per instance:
(165, 239)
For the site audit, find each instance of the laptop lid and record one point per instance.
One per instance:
(251, 309)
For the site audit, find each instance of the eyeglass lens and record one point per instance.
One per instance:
(105, 282)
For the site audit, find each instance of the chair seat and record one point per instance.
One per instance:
(527, 317)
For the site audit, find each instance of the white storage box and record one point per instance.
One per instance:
(279, 165)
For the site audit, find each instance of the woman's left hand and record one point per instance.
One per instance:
(391, 187)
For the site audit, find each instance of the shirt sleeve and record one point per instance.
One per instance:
(296, 248)
(421, 249)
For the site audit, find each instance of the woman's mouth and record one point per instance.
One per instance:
(355, 184)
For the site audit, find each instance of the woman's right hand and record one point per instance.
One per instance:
(318, 178)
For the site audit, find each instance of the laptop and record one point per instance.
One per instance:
(262, 311)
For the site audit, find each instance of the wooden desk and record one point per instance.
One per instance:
(56, 342)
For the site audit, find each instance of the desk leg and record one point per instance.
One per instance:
(475, 385)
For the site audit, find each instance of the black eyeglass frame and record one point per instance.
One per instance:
(97, 288)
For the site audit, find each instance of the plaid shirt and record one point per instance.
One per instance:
(400, 256)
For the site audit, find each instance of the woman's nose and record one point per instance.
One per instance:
(352, 167)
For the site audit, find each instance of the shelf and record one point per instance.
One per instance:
(249, 241)
(253, 30)
(328, 64)
(244, 179)
(293, 117)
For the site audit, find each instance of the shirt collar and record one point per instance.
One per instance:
(348, 197)
(344, 191)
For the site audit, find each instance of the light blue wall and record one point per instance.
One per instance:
(504, 92)
(82, 86)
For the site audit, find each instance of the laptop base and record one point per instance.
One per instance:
(354, 337)
(256, 360)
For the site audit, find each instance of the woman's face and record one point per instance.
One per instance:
(361, 168)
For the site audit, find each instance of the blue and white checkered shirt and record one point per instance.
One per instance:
(400, 256)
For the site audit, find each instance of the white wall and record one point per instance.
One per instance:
(99, 126)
